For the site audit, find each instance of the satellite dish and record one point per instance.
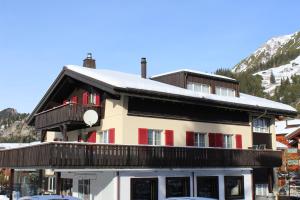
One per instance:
(90, 117)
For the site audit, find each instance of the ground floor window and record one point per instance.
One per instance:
(208, 186)
(51, 183)
(234, 187)
(177, 186)
(84, 189)
(144, 189)
(261, 189)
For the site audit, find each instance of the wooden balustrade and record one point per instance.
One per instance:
(83, 155)
(65, 114)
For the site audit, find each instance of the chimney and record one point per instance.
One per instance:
(89, 62)
(143, 68)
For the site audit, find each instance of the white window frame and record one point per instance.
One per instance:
(261, 189)
(156, 137)
(92, 98)
(51, 184)
(192, 86)
(197, 142)
(227, 91)
(227, 145)
(104, 137)
(261, 125)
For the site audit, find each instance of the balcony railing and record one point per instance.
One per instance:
(65, 114)
(84, 155)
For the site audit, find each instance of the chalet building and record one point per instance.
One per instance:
(182, 133)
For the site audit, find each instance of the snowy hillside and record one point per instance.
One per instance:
(281, 73)
(287, 46)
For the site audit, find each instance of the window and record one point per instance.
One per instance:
(177, 187)
(222, 91)
(84, 189)
(208, 186)
(154, 137)
(234, 187)
(198, 87)
(144, 188)
(51, 184)
(199, 139)
(261, 125)
(261, 189)
(104, 137)
(227, 141)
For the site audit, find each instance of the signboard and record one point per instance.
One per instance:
(292, 150)
(293, 162)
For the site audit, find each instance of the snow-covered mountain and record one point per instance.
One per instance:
(280, 73)
(275, 52)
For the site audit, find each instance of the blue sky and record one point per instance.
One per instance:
(38, 37)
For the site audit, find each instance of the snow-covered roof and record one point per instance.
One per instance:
(281, 127)
(195, 72)
(293, 122)
(280, 145)
(132, 81)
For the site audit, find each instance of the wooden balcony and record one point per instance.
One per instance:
(70, 114)
(58, 155)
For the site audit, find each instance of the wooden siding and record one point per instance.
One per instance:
(174, 110)
(181, 79)
(177, 79)
(83, 155)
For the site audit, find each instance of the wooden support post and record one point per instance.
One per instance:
(40, 182)
(43, 135)
(58, 183)
(11, 183)
(63, 130)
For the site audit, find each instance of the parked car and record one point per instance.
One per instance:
(49, 197)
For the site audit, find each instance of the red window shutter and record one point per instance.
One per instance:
(92, 137)
(111, 136)
(169, 137)
(85, 98)
(74, 99)
(190, 138)
(212, 139)
(219, 140)
(238, 141)
(143, 136)
(98, 101)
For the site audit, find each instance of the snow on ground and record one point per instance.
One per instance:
(281, 72)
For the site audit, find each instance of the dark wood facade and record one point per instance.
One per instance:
(262, 139)
(193, 112)
(81, 155)
(181, 79)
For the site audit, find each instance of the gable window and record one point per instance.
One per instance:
(222, 91)
(234, 187)
(261, 125)
(199, 139)
(198, 87)
(154, 137)
(227, 141)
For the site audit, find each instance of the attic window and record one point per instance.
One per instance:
(222, 91)
(198, 87)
